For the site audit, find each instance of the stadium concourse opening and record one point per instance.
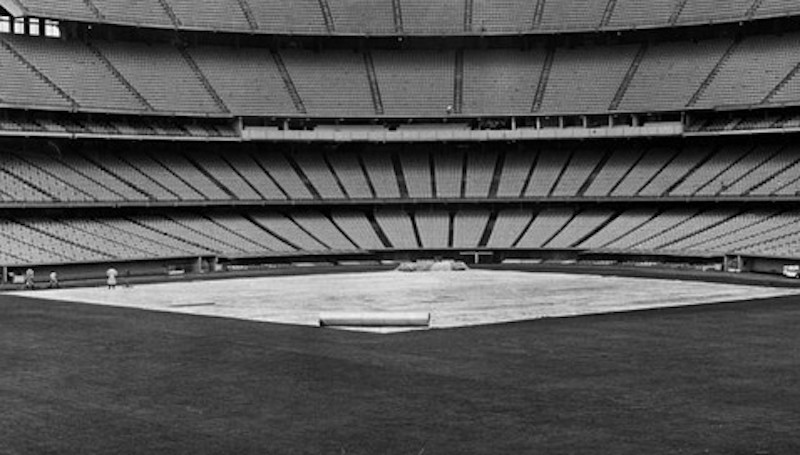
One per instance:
(287, 145)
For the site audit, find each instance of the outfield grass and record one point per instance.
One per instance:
(85, 379)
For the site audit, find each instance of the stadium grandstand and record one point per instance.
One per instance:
(210, 209)
(178, 133)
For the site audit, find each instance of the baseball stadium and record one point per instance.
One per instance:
(400, 227)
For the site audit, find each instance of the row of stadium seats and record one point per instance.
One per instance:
(416, 172)
(413, 17)
(119, 127)
(679, 230)
(745, 122)
(142, 78)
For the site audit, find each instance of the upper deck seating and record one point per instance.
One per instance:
(22, 86)
(415, 82)
(253, 88)
(283, 16)
(636, 14)
(89, 81)
(752, 70)
(425, 17)
(224, 81)
(161, 75)
(584, 80)
(501, 80)
(566, 15)
(141, 13)
(209, 15)
(418, 17)
(675, 70)
(334, 86)
(368, 17)
(705, 11)
(503, 16)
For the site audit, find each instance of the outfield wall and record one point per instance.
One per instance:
(755, 270)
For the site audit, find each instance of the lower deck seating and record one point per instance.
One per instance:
(358, 229)
(348, 168)
(284, 228)
(619, 170)
(323, 229)
(398, 228)
(545, 225)
(265, 233)
(469, 226)
(508, 227)
(434, 228)
(416, 168)
(549, 166)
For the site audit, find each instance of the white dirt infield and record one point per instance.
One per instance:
(454, 299)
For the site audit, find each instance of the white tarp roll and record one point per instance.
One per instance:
(375, 319)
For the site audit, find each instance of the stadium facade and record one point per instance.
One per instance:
(181, 134)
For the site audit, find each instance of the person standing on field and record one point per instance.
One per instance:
(53, 280)
(29, 284)
(111, 273)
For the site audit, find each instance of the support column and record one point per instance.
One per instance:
(197, 266)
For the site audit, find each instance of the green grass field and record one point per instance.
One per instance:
(716, 379)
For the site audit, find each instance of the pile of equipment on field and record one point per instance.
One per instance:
(432, 266)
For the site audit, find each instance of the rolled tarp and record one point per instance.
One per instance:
(374, 319)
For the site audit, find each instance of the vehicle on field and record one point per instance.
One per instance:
(791, 271)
